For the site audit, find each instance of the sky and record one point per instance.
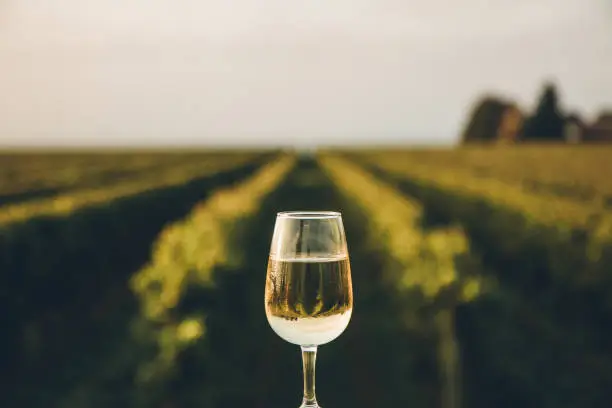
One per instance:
(285, 72)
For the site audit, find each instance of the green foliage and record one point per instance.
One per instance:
(31, 176)
(429, 277)
(553, 297)
(64, 203)
(555, 171)
(185, 255)
(64, 278)
(469, 290)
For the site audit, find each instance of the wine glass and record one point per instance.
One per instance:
(309, 292)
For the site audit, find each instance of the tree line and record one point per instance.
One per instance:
(495, 119)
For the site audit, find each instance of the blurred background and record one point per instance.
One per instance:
(146, 146)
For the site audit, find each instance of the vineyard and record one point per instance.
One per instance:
(481, 278)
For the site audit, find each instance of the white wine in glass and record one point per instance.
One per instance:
(309, 293)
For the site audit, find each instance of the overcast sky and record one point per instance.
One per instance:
(287, 71)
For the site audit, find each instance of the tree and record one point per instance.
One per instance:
(547, 121)
(485, 120)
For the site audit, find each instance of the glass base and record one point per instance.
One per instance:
(310, 405)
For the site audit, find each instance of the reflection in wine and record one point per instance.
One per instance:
(309, 300)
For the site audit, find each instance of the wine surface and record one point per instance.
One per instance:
(309, 301)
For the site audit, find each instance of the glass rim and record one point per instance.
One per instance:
(309, 214)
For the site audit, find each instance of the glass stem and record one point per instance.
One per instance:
(309, 359)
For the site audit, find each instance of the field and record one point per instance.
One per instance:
(135, 279)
